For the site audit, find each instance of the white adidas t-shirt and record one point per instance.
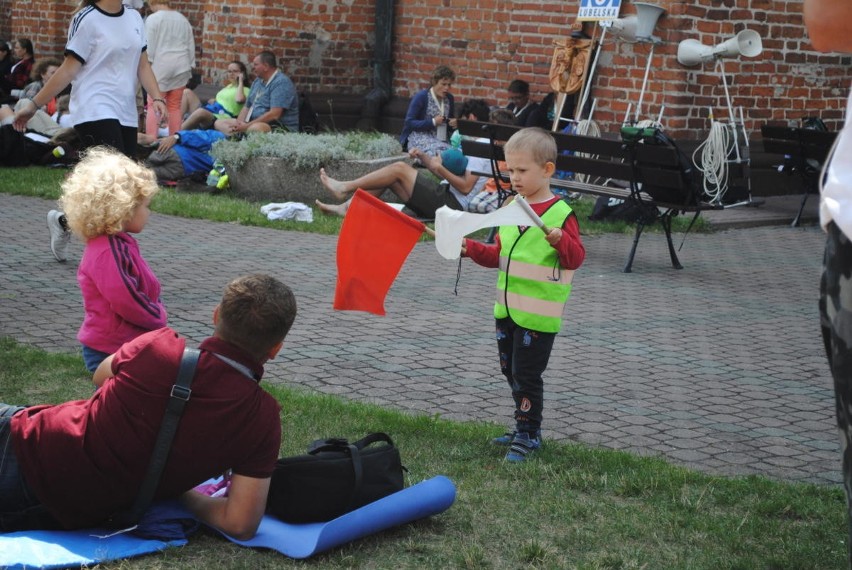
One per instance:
(109, 47)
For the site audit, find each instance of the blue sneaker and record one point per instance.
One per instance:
(522, 446)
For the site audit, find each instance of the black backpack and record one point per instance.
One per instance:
(308, 118)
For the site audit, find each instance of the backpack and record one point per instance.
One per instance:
(308, 118)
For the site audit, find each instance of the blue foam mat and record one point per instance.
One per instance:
(427, 498)
(64, 549)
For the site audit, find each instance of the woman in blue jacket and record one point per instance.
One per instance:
(429, 115)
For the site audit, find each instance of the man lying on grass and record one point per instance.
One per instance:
(76, 464)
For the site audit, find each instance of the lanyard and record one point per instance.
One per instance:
(435, 99)
(260, 92)
(521, 110)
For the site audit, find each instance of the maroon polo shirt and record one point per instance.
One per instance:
(85, 460)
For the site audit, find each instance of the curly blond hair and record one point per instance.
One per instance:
(103, 191)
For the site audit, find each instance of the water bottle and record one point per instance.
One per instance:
(216, 174)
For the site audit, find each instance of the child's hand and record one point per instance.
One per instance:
(553, 236)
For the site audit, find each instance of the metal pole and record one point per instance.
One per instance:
(644, 83)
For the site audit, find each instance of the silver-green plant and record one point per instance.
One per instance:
(306, 151)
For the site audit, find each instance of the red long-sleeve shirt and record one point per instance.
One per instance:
(570, 248)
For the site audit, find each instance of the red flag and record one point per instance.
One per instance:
(375, 239)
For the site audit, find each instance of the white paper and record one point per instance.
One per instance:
(442, 132)
(452, 225)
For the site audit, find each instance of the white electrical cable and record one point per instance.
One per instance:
(714, 161)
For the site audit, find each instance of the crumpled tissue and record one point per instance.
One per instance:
(288, 211)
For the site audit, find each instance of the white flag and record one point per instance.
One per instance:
(452, 225)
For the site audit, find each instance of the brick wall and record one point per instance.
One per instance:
(46, 25)
(326, 46)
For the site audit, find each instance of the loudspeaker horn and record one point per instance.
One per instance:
(693, 52)
(625, 28)
(746, 43)
(647, 16)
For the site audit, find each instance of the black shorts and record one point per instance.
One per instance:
(429, 194)
(108, 132)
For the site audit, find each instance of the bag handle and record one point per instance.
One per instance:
(354, 451)
(341, 444)
(373, 438)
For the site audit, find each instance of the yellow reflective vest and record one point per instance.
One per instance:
(532, 288)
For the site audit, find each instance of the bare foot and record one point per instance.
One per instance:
(336, 187)
(332, 209)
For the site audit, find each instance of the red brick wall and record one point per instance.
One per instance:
(326, 46)
(46, 24)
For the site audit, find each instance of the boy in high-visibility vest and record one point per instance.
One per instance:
(536, 268)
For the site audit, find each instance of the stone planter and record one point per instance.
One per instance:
(268, 179)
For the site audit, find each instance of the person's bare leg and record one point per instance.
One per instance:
(333, 209)
(225, 126)
(259, 128)
(199, 119)
(399, 177)
(189, 103)
(339, 188)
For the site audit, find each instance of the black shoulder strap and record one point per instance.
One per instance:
(179, 397)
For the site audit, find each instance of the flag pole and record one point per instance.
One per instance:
(532, 215)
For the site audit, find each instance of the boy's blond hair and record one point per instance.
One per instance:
(536, 141)
(103, 191)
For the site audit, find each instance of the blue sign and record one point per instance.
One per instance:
(594, 10)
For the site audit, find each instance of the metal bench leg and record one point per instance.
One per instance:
(666, 221)
(798, 217)
(640, 225)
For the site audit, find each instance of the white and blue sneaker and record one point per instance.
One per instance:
(522, 446)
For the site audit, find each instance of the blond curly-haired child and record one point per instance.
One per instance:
(106, 198)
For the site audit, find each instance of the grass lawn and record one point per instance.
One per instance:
(225, 207)
(570, 507)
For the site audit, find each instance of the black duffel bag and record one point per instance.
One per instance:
(334, 478)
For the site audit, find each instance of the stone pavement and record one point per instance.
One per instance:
(719, 366)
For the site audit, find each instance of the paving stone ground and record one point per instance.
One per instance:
(718, 367)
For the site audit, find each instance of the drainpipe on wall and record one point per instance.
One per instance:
(382, 67)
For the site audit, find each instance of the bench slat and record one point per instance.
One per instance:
(670, 178)
(651, 154)
(806, 136)
(797, 142)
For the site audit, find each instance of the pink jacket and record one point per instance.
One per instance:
(121, 295)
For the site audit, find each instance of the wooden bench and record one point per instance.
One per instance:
(655, 177)
(805, 150)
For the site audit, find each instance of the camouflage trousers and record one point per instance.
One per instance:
(835, 308)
